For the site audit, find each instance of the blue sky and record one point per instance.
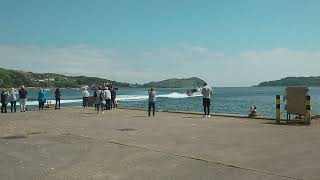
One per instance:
(225, 42)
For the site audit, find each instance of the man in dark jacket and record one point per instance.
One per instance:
(23, 99)
(4, 101)
(58, 98)
(113, 98)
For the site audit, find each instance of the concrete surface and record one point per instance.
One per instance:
(73, 143)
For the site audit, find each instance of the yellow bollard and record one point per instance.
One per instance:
(308, 114)
(278, 109)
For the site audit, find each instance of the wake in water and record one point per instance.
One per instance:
(174, 95)
(35, 103)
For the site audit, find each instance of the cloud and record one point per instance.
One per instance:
(142, 65)
(254, 66)
(67, 60)
(198, 49)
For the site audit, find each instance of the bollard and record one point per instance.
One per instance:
(308, 115)
(278, 109)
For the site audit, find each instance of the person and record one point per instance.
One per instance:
(99, 99)
(107, 98)
(206, 93)
(152, 101)
(13, 99)
(58, 98)
(23, 99)
(48, 105)
(41, 99)
(95, 97)
(189, 92)
(253, 112)
(113, 98)
(117, 104)
(4, 100)
(85, 98)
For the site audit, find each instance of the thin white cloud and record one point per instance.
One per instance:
(143, 65)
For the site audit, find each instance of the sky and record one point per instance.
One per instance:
(227, 43)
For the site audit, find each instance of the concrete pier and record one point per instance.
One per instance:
(73, 143)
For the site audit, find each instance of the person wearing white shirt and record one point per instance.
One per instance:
(108, 98)
(206, 93)
(85, 97)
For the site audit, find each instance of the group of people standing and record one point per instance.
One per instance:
(12, 97)
(42, 99)
(105, 98)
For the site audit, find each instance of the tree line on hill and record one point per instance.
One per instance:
(293, 81)
(14, 78)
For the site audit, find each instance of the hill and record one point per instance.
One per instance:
(15, 78)
(293, 81)
(175, 83)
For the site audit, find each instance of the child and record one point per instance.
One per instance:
(49, 105)
(117, 104)
(253, 112)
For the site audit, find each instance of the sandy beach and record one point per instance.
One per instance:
(74, 143)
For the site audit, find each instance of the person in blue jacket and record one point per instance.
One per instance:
(42, 98)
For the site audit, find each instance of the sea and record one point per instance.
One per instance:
(228, 100)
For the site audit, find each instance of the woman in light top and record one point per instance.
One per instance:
(13, 99)
(85, 97)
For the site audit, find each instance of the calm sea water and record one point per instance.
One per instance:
(225, 100)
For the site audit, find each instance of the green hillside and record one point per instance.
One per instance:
(293, 81)
(176, 83)
(14, 78)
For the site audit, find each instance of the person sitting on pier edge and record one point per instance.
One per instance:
(116, 104)
(253, 112)
(48, 105)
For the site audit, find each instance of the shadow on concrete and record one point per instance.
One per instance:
(290, 123)
(89, 112)
(138, 116)
(14, 137)
(127, 129)
(192, 117)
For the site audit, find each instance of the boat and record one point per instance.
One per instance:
(193, 90)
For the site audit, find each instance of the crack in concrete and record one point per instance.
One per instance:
(186, 157)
